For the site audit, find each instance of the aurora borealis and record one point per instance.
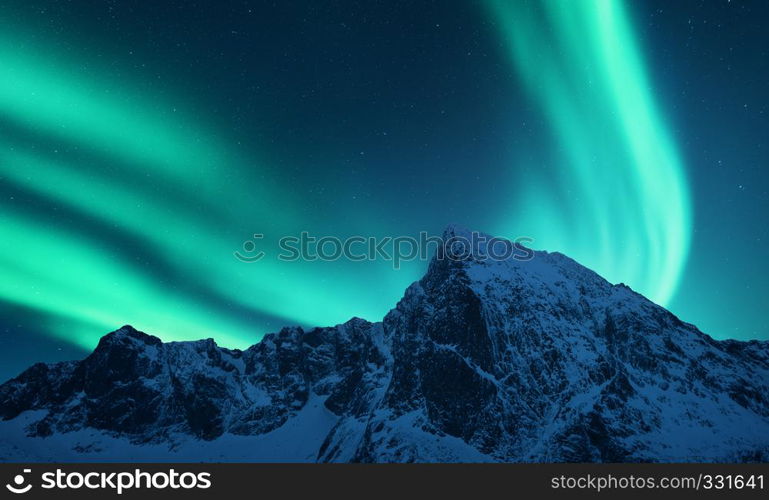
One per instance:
(154, 179)
(619, 163)
(141, 145)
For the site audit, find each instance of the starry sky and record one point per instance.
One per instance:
(141, 143)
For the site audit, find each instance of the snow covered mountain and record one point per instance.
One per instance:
(482, 360)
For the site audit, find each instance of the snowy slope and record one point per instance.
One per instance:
(538, 360)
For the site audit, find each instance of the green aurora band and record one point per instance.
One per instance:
(618, 202)
(139, 164)
(159, 178)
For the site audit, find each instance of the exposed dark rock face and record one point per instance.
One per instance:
(541, 360)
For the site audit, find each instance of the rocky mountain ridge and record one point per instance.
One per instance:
(481, 360)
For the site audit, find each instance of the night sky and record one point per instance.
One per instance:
(141, 143)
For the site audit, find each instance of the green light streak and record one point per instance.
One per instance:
(190, 245)
(619, 201)
(159, 175)
(91, 135)
(39, 93)
(112, 293)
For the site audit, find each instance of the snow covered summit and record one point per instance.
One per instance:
(482, 360)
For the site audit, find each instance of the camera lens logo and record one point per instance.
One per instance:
(249, 247)
(18, 481)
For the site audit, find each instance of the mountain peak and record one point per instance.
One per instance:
(127, 330)
(127, 335)
(454, 229)
(483, 359)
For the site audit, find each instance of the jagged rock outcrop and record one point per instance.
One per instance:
(482, 360)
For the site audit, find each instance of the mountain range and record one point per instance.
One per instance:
(482, 360)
